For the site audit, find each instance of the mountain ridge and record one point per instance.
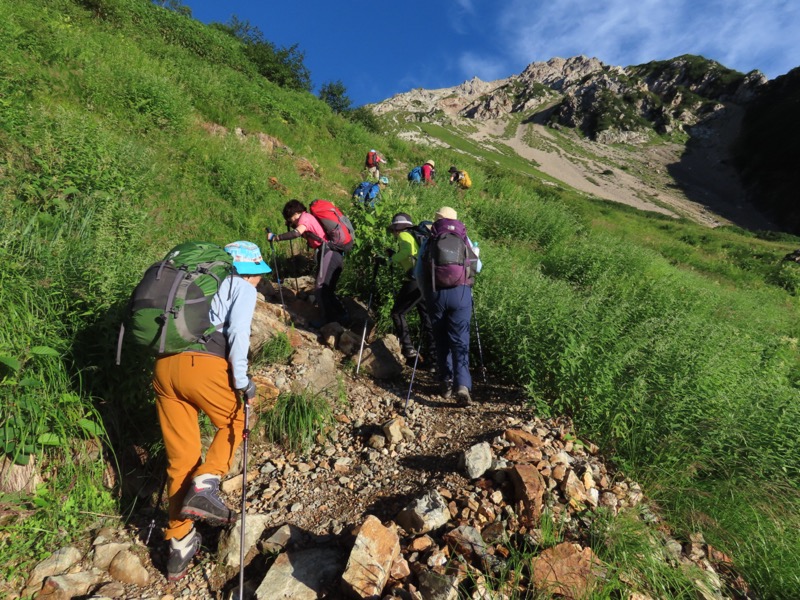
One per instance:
(647, 129)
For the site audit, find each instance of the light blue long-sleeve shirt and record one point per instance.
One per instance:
(233, 307)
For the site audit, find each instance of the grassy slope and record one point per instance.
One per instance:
(672, 345)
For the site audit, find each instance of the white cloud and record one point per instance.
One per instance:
(488, 69)
(741, 34)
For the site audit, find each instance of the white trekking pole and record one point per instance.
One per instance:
(245, 436)
(366, 319)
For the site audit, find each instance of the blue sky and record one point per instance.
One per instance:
(378, 49)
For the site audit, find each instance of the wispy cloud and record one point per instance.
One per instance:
(486, 68)
(461, 13)
(741, 34)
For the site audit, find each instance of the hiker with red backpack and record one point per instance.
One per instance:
(212, 379)
(409, 237)
(445, 272)
(326, 230)
(372, 164)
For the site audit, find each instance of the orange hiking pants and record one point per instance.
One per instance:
(185, 384)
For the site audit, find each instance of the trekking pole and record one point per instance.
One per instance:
(277, 274)
(155, 508)
(478, 337)
(366, 318)
(413, 372)
(245, 436)
(294, 267)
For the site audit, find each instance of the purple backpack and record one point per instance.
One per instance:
(448, 255)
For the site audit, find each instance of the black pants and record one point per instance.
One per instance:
(330, 268)
(407, 298)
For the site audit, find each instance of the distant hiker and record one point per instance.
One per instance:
(372, 164)
(368, 193)
(329, 255)
(423, 174)
(408, 238)
(445, 272)
(460, 178)
(212, 381)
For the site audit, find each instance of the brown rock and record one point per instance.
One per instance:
(566, 569)
(529, 488)
(127, 568)
(376, 549)
(420, 544)
(523, 454)
(574, 491)
(521, 437)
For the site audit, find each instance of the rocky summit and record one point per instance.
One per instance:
(665, 136)
(587, 94)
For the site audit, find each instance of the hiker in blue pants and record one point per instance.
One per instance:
(451, 312)
(445, 273)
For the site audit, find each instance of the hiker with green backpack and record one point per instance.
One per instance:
(194, 310)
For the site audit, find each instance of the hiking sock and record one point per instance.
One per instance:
(181, 552)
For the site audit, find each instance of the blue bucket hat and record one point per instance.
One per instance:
(247, 258)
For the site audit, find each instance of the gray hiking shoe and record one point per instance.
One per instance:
(203, 502)
(446, 389)
(463, 397)
(181, 553)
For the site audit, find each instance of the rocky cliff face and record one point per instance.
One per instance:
(606, 103)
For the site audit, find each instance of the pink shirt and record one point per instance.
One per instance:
(426, 172)
(312, 225)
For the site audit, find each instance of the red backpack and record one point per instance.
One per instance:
(372, 159)
(338, 228)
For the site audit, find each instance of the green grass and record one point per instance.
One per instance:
(296, 420)
(672, 345)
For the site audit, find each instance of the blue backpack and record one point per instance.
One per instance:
(366, 190)
(415, 176)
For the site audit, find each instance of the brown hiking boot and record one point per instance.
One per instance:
(463, 397)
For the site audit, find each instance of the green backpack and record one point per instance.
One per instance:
(168, 309)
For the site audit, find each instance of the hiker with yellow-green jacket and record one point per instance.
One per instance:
(408, 237)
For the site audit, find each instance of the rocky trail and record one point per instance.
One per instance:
(436, 502)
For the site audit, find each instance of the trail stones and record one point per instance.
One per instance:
(127, 568)
(67, 586)
(301, 575)
(59, 562)
(477, 460)
(230, 539)
(566, 569)
(104, 553)
(379, 362)
(466, 541)
(424, 514)
(368, 568)
(530, 487)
